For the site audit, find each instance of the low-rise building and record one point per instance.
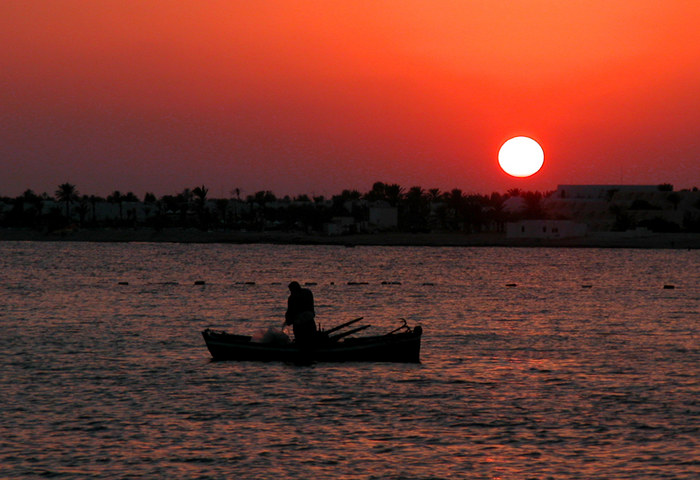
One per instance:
(545, 229)
(340, 226)
(383, 216)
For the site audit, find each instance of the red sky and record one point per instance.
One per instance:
(320, 96)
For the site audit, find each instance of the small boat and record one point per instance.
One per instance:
(400, 345)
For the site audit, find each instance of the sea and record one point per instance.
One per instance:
(536, 363)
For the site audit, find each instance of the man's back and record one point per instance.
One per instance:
(300, 301)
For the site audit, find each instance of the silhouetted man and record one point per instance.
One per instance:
(300, 313)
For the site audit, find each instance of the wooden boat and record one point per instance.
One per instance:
(400, 345)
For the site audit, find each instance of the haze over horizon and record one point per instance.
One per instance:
(315, 97)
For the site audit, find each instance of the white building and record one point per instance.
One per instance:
(340, 226)
(383, 216)
(545, 229)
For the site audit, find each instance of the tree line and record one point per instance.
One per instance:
(418, 209)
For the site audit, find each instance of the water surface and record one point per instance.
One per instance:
(536, 363)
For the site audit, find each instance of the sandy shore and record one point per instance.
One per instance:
(176, 235)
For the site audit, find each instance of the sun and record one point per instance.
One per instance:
(521, 157)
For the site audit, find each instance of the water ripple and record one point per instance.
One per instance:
(541, 380)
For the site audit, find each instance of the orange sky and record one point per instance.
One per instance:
(319, 96)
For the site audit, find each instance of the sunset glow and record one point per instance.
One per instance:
(317, 96)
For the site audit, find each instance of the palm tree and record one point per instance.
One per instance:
(474, 212)
(200, 194)
(497, 212)
(83, 208)
(394, 194)
(417, 209)
(261, 198)
(533, 205)
(93, 204)
(184, 200)
(237, 192)
(66, 193)
(117, 197)
(27, 208)
(131, 197)
(434, 195)
(222, 208)
(455, 201)
(34, 201)
(377, 193)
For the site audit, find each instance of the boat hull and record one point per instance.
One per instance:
(396, 347)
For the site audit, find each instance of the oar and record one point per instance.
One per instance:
(335, 338)
(346, 324)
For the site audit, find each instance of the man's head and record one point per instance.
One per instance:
(294, 286)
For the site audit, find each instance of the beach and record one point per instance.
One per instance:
(437, 239)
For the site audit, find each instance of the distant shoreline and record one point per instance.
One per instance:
(437, 239)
